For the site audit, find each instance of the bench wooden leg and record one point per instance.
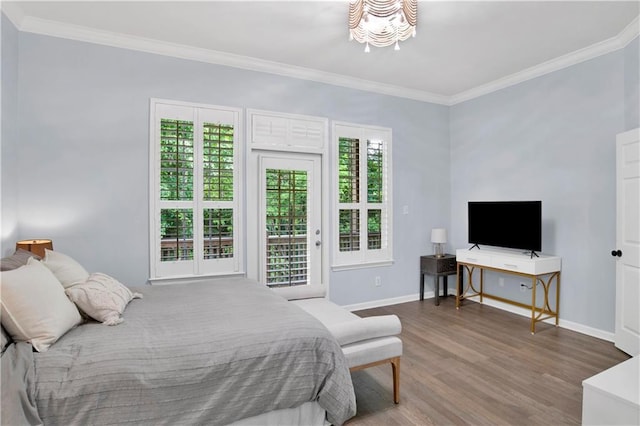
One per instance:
(395, 367)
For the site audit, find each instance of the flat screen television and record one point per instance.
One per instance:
(509, 224)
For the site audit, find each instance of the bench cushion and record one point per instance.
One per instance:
(364, 340)
(374, 350)
(347, 327)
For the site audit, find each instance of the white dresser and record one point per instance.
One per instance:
(613, 396)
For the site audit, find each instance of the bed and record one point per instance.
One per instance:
(214, 352)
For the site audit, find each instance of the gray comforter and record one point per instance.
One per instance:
(207, 353)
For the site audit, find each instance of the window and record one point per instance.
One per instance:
(195, 188)
(362, 164)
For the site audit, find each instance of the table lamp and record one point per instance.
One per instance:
(438, 238)
(35, 246)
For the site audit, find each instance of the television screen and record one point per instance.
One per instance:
(509, 224)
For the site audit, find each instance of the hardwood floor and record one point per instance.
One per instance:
(480, 366)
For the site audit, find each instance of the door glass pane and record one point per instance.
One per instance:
(349, 223)
(176, 234)
(286, 223)
(218, 233)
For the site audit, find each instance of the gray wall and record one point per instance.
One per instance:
(82, 117)
(551, 139)
(9, 166)
(632, 84)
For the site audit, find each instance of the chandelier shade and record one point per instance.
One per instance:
(382, 22)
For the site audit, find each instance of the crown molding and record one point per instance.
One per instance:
(107, 38)
(12, 12)
(628, 34)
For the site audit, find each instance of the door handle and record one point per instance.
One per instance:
(617, 253)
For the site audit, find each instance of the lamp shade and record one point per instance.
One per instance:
(35, 246)
(439, 235)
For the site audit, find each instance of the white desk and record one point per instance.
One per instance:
(544, 270)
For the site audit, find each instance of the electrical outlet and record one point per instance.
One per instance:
(377, 282)
(523, 287)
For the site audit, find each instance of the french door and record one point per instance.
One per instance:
(290, 219)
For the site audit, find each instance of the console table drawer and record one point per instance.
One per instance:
(512, 262)
(471, 257)
(515, 265)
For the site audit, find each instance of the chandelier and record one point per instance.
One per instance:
(382, 22)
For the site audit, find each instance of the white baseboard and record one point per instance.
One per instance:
(569, 325)
(386, 302)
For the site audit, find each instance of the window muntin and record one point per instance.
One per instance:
(374, 229)
(218, 162)
(349, 229)
(176, 162)
(218, 233)
(176, 235)
(349, 170)
(375, 171)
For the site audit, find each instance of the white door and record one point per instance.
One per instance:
(627, 252)
(290, 212)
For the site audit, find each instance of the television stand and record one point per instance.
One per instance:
(543, 270)
(475, 245)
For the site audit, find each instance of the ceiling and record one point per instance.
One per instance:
(461, 48)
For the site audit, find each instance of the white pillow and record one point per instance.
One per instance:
(66, 270)
(34, 306)
(101, 297)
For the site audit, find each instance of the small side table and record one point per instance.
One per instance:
(438, 267)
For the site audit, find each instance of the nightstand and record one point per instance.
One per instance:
(438, 267)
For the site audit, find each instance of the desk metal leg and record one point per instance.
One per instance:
(458, 285)
(421, 286)
(436, 288)
(533, 305)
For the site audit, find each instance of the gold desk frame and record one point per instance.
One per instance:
(537, 313)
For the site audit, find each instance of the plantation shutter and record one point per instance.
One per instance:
(195, 201)
(363, 201)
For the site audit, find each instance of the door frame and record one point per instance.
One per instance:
(276, 133)
(253, 208)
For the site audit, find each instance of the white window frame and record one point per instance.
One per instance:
(364, 257)
(180, 271)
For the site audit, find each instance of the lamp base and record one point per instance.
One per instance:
(438, 250)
